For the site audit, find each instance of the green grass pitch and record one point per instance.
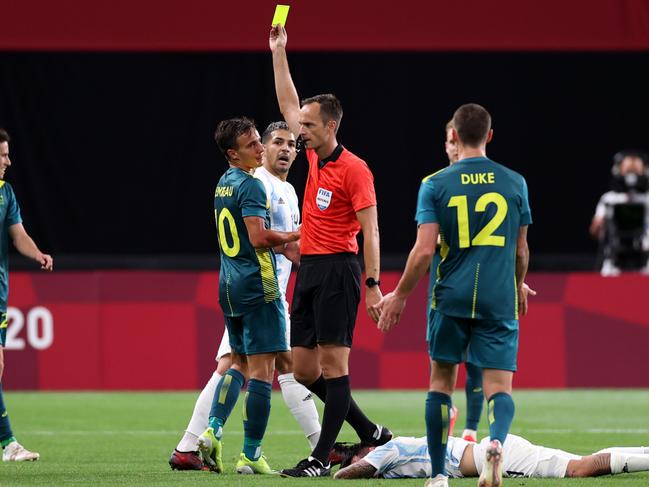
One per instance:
(118, 439)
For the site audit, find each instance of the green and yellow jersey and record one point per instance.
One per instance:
(247, 277)
(9, 215)
(480, 206)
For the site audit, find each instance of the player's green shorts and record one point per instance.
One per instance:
(263, 330)
(3, 328)
(489, 344)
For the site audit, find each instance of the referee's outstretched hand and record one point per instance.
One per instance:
(278, 37)
(390, 309)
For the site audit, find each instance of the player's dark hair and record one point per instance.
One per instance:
(227, 132)
(4, 136)
(472, 123)
(281, 125)
(330, 107)
(348, 451)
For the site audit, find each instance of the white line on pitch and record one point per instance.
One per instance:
(271, 432)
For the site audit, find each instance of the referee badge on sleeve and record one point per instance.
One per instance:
(323, 198)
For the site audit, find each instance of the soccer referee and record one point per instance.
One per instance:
(339, 200)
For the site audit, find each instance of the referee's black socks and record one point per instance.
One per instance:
(337, 400)
(364, 428)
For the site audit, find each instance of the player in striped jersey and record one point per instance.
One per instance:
(405, 457)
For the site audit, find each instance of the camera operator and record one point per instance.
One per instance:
(621, 221)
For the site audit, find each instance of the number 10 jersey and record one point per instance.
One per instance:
(248, 276)
(480, 206)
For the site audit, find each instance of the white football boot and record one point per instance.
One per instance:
(438, 481)
(15, 452)
(492, 469)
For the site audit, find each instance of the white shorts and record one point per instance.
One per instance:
(224, 347)
(524, 459)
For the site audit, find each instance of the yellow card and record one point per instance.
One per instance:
(281, 13)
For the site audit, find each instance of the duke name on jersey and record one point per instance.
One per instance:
(9, 215)
(284, 216)
(480, 206)
(248, 276)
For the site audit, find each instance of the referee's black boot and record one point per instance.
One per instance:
(380, 437)
(309, 467)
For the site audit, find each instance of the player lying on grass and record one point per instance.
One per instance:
(407, 457)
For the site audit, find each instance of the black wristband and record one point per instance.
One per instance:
(371, 282)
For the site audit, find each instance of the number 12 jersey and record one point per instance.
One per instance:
(480, 206)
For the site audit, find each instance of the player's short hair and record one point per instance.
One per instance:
(281, 125)
(347, 451)
(330, 107)
(472, 123)
(4, 136)
(227, 132)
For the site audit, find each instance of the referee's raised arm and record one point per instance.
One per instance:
(287, 97)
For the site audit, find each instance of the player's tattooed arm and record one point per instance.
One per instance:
(359, 470)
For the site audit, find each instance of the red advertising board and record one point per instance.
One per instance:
(133, 330)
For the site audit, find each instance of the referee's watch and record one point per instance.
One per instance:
(371, 282)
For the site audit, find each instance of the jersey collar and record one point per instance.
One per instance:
(333, 157)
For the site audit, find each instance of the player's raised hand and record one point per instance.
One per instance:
(390, 309)
(46, 261)
(278, 37)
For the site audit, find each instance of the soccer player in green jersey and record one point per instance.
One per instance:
(12, 228)
(249, 295)
(481, 211)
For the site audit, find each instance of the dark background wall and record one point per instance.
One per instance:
(113, 152)
(112, 105)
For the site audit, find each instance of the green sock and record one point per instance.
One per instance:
(255, 417)
(4, 443)
(225, 397)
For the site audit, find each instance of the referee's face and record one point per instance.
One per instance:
(313, 130)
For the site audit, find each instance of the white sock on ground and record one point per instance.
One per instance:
(631, 450)
(300, 402)
(200, 416)
(622, 462)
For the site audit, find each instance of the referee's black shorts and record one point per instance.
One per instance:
(325, 300)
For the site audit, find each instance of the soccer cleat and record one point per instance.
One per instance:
(309, 467)
(380, 437)
(492, 470)
(210, 449)
(190, 460)
(451, 420)
(260, 466)
(438, 481)
(15, 452)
